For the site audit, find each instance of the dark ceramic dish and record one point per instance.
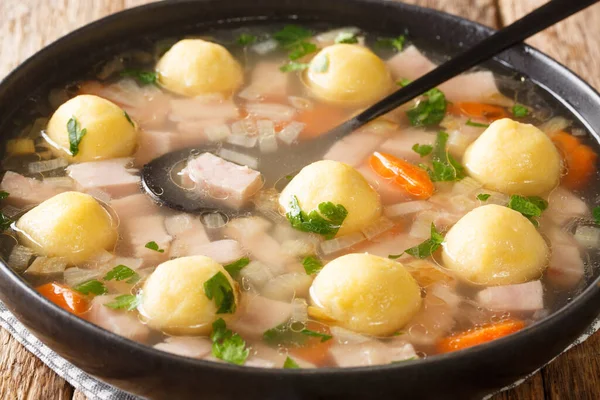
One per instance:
(154, 374)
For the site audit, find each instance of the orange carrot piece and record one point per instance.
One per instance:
(403, 174)
(64, 297)
(579, 159)
(319, 120)
(479, 110)
(477, 336)
(314, 350)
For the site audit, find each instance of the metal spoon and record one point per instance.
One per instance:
(157, 175)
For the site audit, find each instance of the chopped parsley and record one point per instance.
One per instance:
(128, 118)
(519, 111)
(5, 222)
(346, 38)
(219, 289)
(326, 221)
(92, 286)
(290, 364)
(422, 149)
(311, 265)
(143, 77)
(483, 196)
(235, 267)
(427, 248)
(228, 346)
(154, 246)
(596, 214)
(293, 39)
(246, 39)
(430, 110)
(531, 207)
(445, 167)
(3, 194)
(476, 124)
(302, 49)
(122, 272)
(284, 335)
(324, 337)
(403, 82)
(75, 135)
(293, 66)
(127, 302)
(396, 43)
(320, 63)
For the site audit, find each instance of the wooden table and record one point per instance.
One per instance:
(28, 25)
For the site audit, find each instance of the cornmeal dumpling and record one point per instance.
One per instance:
(495, 245)
(366, 294)
(336, 182)
(193, 67)
(109, 132)
(71, 225)
(174, 298)
(348, 74)
(514, 158)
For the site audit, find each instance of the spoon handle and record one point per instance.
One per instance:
(532, 23)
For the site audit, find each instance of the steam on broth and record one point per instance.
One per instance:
(447, 223)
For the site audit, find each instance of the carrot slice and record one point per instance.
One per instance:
(474, 337)
(479, 110)
(314, 350)
(319, 120)
(64, 297)
(579, 159)
(403, 174)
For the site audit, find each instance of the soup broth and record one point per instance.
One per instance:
(454, 220)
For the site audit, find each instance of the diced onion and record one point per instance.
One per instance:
(179, 223)
(300, 103)
(587, 236)
(497, 198)
(242, 140)
(462, 203)
(445, 293)
(341, 243)
(100, 195)
(287, 286)
(345, 336)
(131, 262)
(540, 314)
(19, 257)
(554, 125)
(250, 93)
(217, 133)
(409, 207)
(60, 182)
(49, 165)
(466, 186)
(299, 310)
(46, 266)
(264, 47)
(458, 142)
(330, 36)
(238, 158)
(245, 127)
(255, 275)
(378, 227)
(102, 258)
(267, 202)
(578, 132)
(75, 275)
(10, 211)
(290, 132)
(267, 141)
(421, 227)
(275, 112)
(213, 220)
(297, 247)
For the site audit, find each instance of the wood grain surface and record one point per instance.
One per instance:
(28, 25)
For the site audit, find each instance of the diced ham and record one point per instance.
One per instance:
(189, 235)
(224, 181)
(389, 244)
(388, 192)
(195, 347)
(400, 145)
(479, 87)
(260, 314)
(152, 144)
(27, 191)
(137, 232)
(355, 148)
(566, 268)
(287, 286)
(434, 320)
(123, 323)
(520, 297)
(369, 353)
(564, 205)
(222, 251)
(208, 107)
(267, 80)
(133, 206)
(409, 64)
(111, 176)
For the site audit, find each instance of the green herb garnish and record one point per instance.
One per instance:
(531, 207)
(290, 364)
(3, 194)
(427, 248)
(430, 110)
(596, 214)
(122, 272)
(396, 43)
(246, 39)
(293, 66)
(519, 111)
(235, 267)
(320, 63)
(127, 302)
(5, 222)
(292, 38)
(476, 124)
(445, 167)
(75, 135)
(92, 286)
(154, 246)
(346, 37)
(483, 196)
(128, 118)
(311, 265)
(144, 77)
(219, 289)
(326, 221)
(403, 82)
(284, 335)
(228, 346)
(324, 337)
(422, 149)
(302, 49)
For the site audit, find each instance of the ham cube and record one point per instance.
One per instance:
(409, 64)
(27, 191)
(222, 251)
(389, 244)
(388, 192)
(563, 205)
(195, 347)
(355, 148)
(152, 144)
(400, 145)
(136, 205)
(520, 297)
(260, 314)
(110, 176)
(224, 181)
(266, 80)
(566, 268)
(372, 352)
(137, 232)
(478, 87)
(122, 322)
(207, 107)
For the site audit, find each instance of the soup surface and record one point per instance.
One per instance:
(454, 220)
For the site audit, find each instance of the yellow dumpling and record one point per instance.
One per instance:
(495, 245)
(109, 132)
(174, 298)
(194, 66)
(514, 158)
(365, 293)
(348, 74)
(338, 183)
(71, 225)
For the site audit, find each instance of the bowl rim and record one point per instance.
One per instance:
(528, 333)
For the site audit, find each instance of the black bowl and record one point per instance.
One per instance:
(142, 370)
